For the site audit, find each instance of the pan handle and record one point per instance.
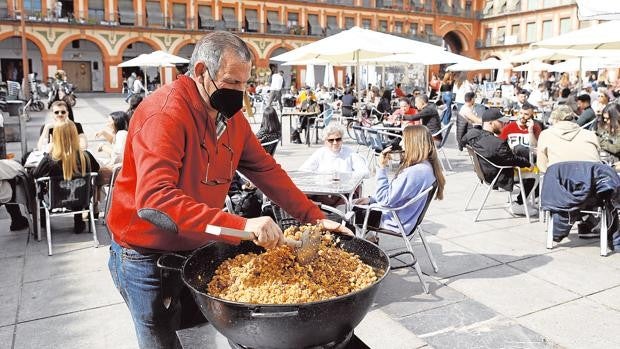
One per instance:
(256, 313)
(171, 261)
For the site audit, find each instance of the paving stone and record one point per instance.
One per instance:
(592, 250)
(401, 294)
(447, 318)
(11, 271)
(451, 258)
(6, 337)
(13, 245)
(509, 291)
(580, 274)
(495, 333)
(101, 328)
(501, 245)
(609, 298)
(84, 260)
(447, 226)
(9, 297)
(67, 294)
(581, 323)
(378, 330)
(63, 239)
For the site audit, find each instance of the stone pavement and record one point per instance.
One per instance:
(497, 285)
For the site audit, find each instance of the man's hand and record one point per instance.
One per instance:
(335, 227)
(268, 233)
(362, 201)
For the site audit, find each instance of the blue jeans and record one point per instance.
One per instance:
(447, 113)
(138, 279)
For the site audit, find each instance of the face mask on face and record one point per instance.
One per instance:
(227, 101)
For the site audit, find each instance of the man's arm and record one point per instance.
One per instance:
(424, 113)
(505, 157)
(585, 117)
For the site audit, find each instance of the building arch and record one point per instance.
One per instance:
(32, 38)
(84, 62)
(456, 41)
(181, 45)
(105, 51)
(11, 64)
(145, 40)
(275, 47)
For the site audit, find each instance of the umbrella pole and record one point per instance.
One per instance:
(146, 84)
(580, 73)
(358, 82)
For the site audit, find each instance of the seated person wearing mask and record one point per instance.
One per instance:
(486, 142)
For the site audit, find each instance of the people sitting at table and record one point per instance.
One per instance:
(427, 114)
(385, 103)
(565, 141)
(334, 156)
(419, 169)
(563, 99)
(467, 118)
(270, 127)
(405, 108)
(60, 112)
(66, 158)
(608, 132)
(486, 142)
(522, 96)
(9, 170)
(587, 115)
(602, 100)
(347, 102)
(523, 132)
(539, 96)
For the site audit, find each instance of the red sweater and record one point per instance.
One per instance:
(165, 165)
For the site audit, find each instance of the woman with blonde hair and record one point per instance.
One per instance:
(447, 85)
(66, 159)
(419, 169)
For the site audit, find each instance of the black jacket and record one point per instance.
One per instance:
(574, 185)
(463, 125)
(498, 152)
(429, 117)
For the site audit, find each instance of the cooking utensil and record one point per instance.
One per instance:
(271, 325)
(305, 249)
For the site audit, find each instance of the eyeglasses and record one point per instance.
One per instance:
(60, 112)
(221, 179)
(334, 140)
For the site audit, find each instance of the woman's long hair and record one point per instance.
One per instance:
(270, 123)
(448, 78)
(613, 110)
(66, 148)
(419, 146)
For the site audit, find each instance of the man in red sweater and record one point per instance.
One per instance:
(184, 144)
(524, 131)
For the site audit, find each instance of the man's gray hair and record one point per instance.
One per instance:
(331, 129)
(211, 48)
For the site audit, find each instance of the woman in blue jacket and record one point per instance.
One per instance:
(419, 169)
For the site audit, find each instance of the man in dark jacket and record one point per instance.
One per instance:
(486, 143)
(427, 113)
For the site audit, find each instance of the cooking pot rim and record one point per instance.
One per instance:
(288, 305)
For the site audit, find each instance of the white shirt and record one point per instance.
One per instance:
(137, 86)
(118, 147)
(460, 91)
(276, 82)
(325, 161)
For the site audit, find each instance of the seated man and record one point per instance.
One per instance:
(486, 143)
(522, 133)
(467, 118)
(427, 113)
(587, 113)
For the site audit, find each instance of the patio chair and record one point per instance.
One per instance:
(476, 158)
(444, 133)
(426, 195)
(271, 146)
(589, 125)
(322, 120)
(108, 201)
(360, 137)
(65, 198)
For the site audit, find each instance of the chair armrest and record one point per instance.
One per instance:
(42, 179)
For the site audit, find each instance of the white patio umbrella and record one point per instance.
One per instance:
(547, 54)
(533, 66)
(487, 64)
(573, 65)
(600, 36)
(352, 45)
(598, 9)
(426, 58)
(156, 59)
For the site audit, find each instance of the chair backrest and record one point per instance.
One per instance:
(347, 111)
(360, 136)
(74, 194)
(429, 198)
(270, 147)
(115, 171)
(374, 139)
(589, 125)
(445, 132)
(476, 162)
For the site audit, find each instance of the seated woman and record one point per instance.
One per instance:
(419, 169)
(66, 159)
(608, 132)
(270, 127)
(60, 112)
(347, 102)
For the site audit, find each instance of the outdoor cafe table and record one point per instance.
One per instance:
(291, 112)
(311, 183)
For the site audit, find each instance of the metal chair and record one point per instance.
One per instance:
(271, 146)
(444, 133)
(360, 137)
(65, 198)
(588, 125)
(427, 195)
(116, 169)
(475, 158)
(323, 120)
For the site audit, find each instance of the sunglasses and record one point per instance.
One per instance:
(334, 140)
(60, 112)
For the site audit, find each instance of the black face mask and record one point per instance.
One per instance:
(227, 102)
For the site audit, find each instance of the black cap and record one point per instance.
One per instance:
(494, 114)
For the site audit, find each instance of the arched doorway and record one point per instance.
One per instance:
(82, 60)
(453, 43)
(290, 75)
(133, 50)
(11, 63)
